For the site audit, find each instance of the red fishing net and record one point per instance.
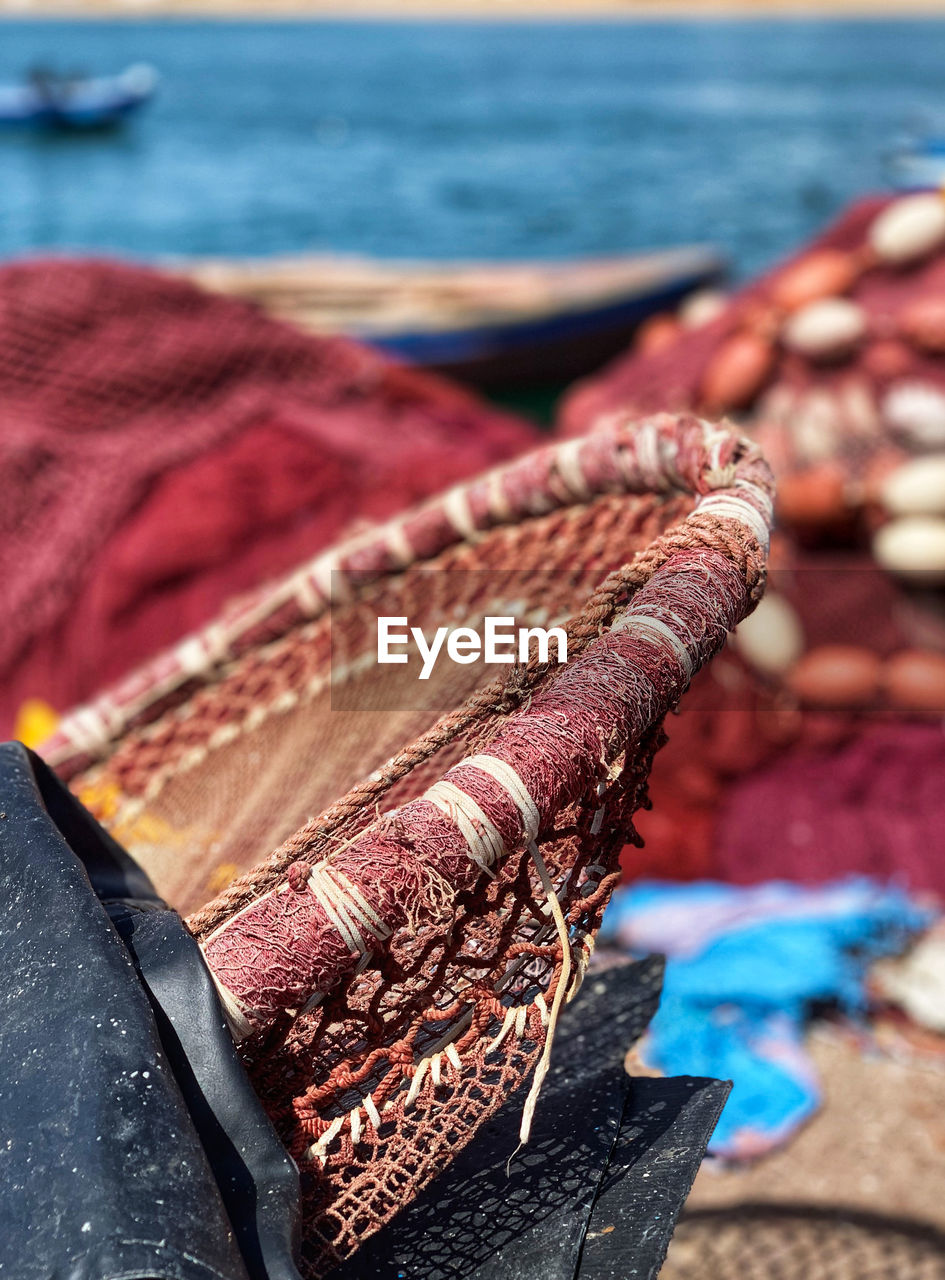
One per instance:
(163, 448)
(833, 362)
(395, 970)
(827, 351)
(867, 667)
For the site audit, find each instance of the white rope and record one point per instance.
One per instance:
(370, 1106)
(416, 1083)
(507, 778)
(652, 472)
(568, 463)
(663, 633)
(457, 510)
(346, 908)
(503, 1031)
(727, 504)
(499, 506)
(510, 782)
(560, 992)
(329, 578)
(484, 842)
(240, 1025)
(319, 1150)
(397, 543)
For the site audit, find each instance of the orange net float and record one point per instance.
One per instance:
(395, 970)
(832, 360)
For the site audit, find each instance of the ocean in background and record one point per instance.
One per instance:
(425, 139)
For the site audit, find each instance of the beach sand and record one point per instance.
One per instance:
(877, 1146)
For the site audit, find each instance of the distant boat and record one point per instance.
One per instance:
(60, 102)
(920, 167)
(918, 162)
(497, 325)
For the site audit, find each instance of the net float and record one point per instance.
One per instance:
(826, 273)
(913, 548)
(828, 329)
(916, 488)
(922, 322)
(836, 675)
(771, 639)
(915, 411)
(817, 427)
(887, 359)
(658, 332)
(737, 371)
(914, 681)
(868, 488)
(909, 229)
(814, 497)
(702, 307)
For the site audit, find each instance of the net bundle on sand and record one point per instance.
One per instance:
(833, 358)
(162, 448)
(833, 362)
(395, 970)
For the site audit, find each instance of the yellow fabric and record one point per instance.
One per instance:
(35, 722)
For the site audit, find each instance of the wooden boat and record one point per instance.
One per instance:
(497, 325)
(59, 102)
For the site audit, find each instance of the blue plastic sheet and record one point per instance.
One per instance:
(746, 967)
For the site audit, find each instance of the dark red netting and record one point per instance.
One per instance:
(163, 448)
(675, 376)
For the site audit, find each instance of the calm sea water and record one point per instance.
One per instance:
(468, 140)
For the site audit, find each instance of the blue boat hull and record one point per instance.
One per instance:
(547, 350)
(86, 105)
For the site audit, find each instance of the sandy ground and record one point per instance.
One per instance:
(877, 1145)
(466, 9)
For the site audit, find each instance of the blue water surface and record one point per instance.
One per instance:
(455, 139)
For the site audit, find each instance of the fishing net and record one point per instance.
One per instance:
(833, 359)
(833, 363)
(163, 448)
(394, 971)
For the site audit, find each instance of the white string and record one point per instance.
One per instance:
(240, 1025)
(727, 504)
(641, 622)
(560, 992)
(568, 463)
(510, 782)
(346, 908)
(503, 773)
(483, 839)
(459, 513)
(395, 539)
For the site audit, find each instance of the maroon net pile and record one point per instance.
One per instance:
(395, 970)
(834, 358)
(163, 448)
(859, 664)
(833, 361)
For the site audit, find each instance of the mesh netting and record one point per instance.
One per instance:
(395, 970)
(833, 360)
(163, 448)
(834, 357)
(802, 1242)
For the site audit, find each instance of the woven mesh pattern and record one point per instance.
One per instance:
(383, 1028)
(175, 790)
(163, 448)
(855, 406)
